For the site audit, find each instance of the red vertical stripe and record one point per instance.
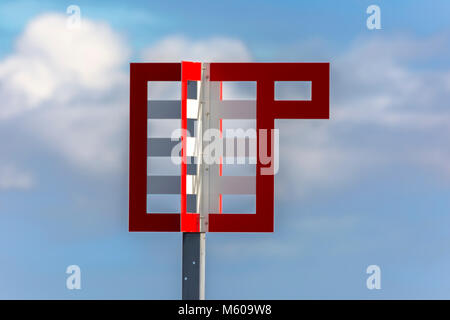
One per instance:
(190, 71)
(221, 136)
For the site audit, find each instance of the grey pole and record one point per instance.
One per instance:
(193, 273)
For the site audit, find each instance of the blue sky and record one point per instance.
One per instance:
(369, 186)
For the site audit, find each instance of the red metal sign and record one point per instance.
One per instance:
(267, 110)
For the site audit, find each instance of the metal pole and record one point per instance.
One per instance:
(193, 273)
(194, 243)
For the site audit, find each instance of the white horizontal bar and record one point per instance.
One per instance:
(162, 128)
(163, 203)
(236, 185)
(234, 109)
(240, 148)
(235, 169)
(164, 90)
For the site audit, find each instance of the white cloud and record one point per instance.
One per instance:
(54, 64)
(13, 178)
(376, 83)
(177, 48)
(70, 88)
(384, 110)
(87, 135)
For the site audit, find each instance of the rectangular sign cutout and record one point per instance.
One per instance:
(293, 90)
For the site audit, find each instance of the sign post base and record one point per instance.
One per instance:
(193, 269)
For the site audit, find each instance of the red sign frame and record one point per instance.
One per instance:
(267, 110)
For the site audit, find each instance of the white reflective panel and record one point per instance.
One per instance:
(163, 90)
(190, 184)
(239, 90)
(163, 203)
(192, 109)
(293, 90)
